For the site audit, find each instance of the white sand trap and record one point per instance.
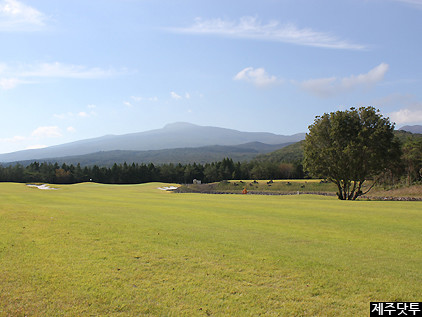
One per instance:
(43, 186)
(167, 188)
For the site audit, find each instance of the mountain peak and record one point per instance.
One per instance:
(174, 135)
(179, 125)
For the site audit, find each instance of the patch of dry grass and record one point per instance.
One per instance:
(414, 191)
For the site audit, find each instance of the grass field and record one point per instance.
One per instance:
(102, 250)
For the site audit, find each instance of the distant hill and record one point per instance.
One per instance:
(207, 154)
(412, 128)
(172, 136)
(403, 135)
(294, 152)
(288, 154)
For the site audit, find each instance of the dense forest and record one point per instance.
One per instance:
(142, 173)
(285, 163)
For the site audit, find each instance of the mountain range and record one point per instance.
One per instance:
(202, 155)
(176, 142)
(412, 128)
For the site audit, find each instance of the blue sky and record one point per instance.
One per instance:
(76, 69)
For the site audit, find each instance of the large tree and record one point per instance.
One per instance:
(349, 147)
(412, 158)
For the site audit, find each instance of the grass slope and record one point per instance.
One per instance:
(92, 249)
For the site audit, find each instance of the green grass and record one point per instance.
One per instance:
(101, 250)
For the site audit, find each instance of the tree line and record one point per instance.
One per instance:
(347, 148)
(134, 173)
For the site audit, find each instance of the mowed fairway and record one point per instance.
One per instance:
(103, 250)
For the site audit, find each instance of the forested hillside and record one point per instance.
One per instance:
(289, 154)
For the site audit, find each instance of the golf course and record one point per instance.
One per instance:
(133, 250)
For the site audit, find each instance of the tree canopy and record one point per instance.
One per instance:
(349, 147)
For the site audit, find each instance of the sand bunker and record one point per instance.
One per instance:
(43, 186)
(167, 188)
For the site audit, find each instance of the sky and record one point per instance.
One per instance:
(78, 69)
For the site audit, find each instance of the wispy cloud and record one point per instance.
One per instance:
(47, 132)
(63, 115)
(16, 16)
(30, 141)
(250, 28)
(80, 114)
(259, 77)
(14, 139)
(414, 3)
(176, 96)
(14, 75)
(83, 114)
(327, 87)
(60, 70)
(9, 83)
(140, 99)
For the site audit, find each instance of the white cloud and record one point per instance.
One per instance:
(83, 114)
(187, 95)
(259, 77)
(92, 106)
(250, 28)
(407, 115)
(326, 87)
(374, 76)
(71, 129)
(16, 16)
(47, 132)
(35, 147)
(127, 104)
(175, 96)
